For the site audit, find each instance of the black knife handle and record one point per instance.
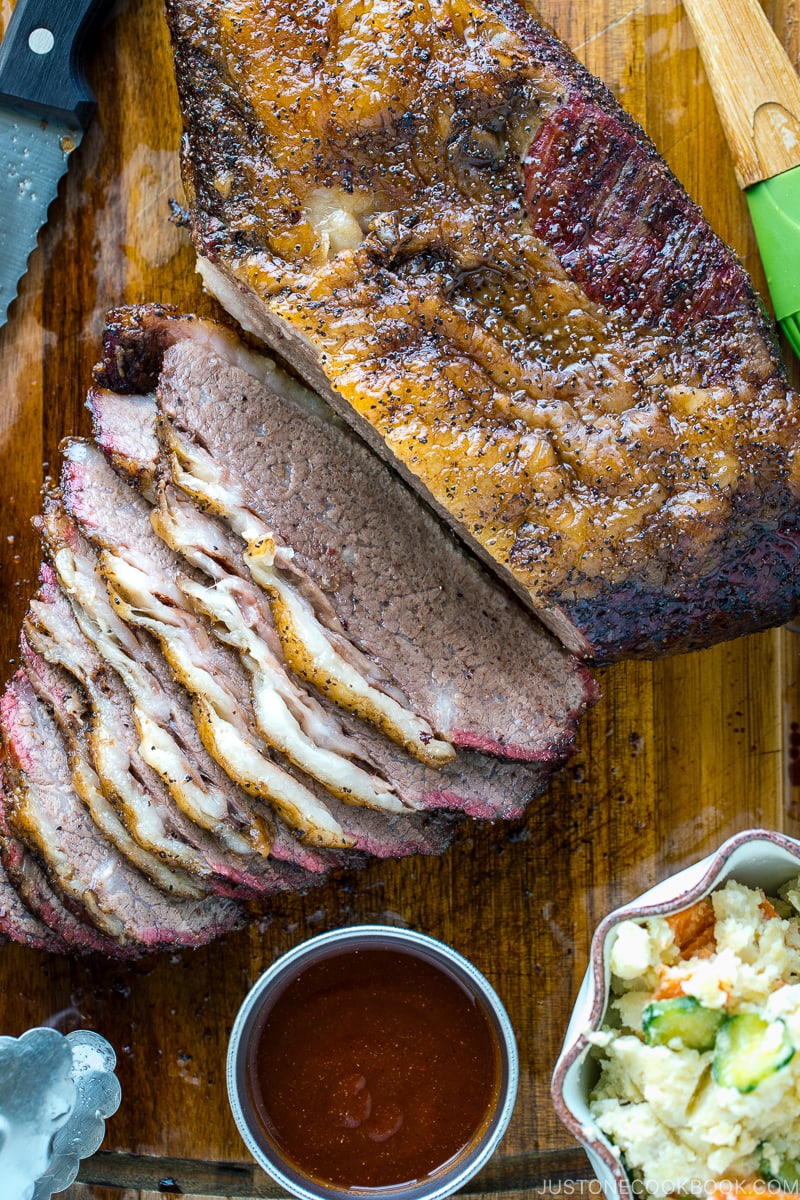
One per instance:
(40, 70)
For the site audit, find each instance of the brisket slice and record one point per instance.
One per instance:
(480, 260)
(464, 651)
(61, 694)
(44, 811)
(142, 798)
(168, 708)
(17, 922)
(114, 517)
(126, 425)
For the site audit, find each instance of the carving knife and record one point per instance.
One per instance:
(45, 105)
(757, 94)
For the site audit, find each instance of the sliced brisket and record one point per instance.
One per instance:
(458, 645)
(17, 922)
(44, 811)
(173, 740)
(61, 693)
(115, 518)
(163, 699)
(141, 796)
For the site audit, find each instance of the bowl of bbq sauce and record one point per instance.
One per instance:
(372, 1061)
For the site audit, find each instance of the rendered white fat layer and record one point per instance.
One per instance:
(160, 753)
(112, 639)
(274, 717)
(337, 217)
(408, 728)
(258, 775)
(177, 632)
(255, 363)
(195, 472)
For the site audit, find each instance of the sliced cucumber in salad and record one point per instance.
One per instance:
(682, 1019)
(787, 1174)
(748, 1049)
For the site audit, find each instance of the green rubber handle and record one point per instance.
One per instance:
(791, 327)
(775, 212)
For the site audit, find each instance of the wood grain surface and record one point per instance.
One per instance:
(677, 755)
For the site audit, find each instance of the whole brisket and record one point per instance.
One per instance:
(464, 244)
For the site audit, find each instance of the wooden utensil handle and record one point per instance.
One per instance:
(754, 84)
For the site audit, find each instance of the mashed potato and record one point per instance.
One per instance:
(673, 1111)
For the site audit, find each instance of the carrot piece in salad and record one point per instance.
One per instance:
(757, 1190)
(673, 984)
(693, 929)
(670, 987)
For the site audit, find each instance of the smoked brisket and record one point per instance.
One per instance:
(460, 239)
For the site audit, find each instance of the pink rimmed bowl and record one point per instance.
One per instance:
(755, 857)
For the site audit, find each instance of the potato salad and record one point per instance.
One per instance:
(699, 1079)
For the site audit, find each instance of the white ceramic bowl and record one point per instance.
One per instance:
(453, 1175)
(756, 857)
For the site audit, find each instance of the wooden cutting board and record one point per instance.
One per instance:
(678, 754)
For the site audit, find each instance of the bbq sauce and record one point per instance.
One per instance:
(373, 1068)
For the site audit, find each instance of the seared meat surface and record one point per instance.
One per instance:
(459, 238)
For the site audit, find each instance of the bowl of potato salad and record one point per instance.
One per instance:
(680, 1070)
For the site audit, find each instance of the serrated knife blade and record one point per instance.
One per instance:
(45, 105)
(33, 157)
